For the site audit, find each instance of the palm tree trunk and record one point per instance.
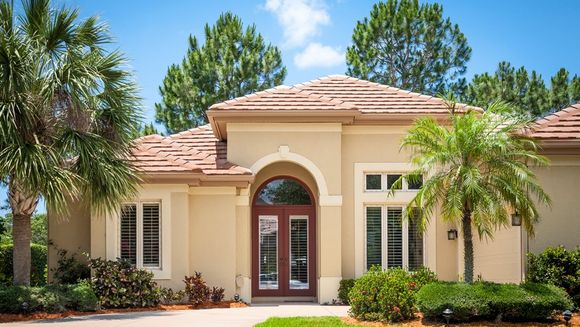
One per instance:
(467, 247)
(23, 205)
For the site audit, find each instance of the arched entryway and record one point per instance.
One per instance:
(283, 239)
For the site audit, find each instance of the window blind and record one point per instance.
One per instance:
(129, 233)
(415, 242)
(394, 237)
(374, 236)
(151, 239)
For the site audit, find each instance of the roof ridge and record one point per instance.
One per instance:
(556, 116)
(247, 97)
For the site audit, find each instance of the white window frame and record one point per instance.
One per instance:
(384, 242)
(384, 182)
(139, 254)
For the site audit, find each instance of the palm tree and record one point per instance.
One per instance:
(478, 172)
(68, 108)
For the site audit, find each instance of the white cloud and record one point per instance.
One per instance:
(318, 55)
(300, 19)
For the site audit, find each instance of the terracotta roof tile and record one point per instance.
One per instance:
(564, 124)
(195, 150)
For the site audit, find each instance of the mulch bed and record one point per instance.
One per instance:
(420, 322)
(8, 317)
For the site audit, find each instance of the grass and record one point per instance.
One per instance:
(303, 321)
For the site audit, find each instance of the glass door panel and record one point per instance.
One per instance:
(298, 264)
(268, 252)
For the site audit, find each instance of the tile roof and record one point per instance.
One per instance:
(195, 150)
(564, 124)
(340, 92)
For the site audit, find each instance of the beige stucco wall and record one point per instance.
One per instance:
(71, 232)
(499, 259)
(559, 223)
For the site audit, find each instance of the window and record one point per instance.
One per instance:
(140, 234)
(391, 179)
(283, 191)
(391, 242)
(374, 236)
(414, 182)
(374, 182)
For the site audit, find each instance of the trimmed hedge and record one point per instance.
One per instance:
(387, 295)
(38, 264)
(491, 301)
(559, 267)
(343, 290)
(51, 298)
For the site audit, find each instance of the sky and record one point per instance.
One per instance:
(313, 34)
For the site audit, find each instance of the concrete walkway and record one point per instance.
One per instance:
(211, 317)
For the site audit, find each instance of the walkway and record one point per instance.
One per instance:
(211, 317)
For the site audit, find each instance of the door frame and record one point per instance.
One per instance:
(284, 212)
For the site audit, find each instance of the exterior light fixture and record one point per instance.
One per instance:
(516, 219)
(567, 316)
(447, 314)
(237, 297)
(452, 234)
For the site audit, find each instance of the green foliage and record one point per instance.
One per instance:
(217, 294)
(232, 62)
(39, 259)
(479, 166)
(168, 296)
(526, 91)
(557, 266)
(386, 295)
(146, 129)
(69, 269)
(303, 322)
(409, 45)
(196, 289)
(490, 301)
(344, 289)
(38, 226)
(51, 298)
(424, 276)
(118, 284)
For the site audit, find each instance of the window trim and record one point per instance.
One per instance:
(384, 234)
(139, 230)
(384, 181)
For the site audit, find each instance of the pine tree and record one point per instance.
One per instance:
(410, 46)
(232, 62)
(559, 97)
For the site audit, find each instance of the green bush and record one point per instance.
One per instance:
(483, 300)
(385, 295)
(70, 270)
(51, 298)
(343, 290)
(559, 267)
(118, 284)
(38, 264)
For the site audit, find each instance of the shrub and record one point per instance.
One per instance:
(51, 298)
(559, 267)
(196, 289)
(424, 276)
(343, 290)
(38, 264)
(217, 294)
(483, 300)
(118, 284)
(168, 296)
(69, 269)
(385, 295)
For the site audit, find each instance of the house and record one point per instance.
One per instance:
(284, 193)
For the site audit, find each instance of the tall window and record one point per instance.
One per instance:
(391, 242)
(140, 234)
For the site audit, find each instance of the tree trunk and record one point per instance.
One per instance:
(23, 205)
(467, 247)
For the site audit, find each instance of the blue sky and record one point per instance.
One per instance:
(313, 34)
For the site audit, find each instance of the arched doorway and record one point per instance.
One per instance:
(283, 239)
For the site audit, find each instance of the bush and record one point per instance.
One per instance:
(69, 269)
(343, 290)
(168, 296)
(118, 284)
(51, 298)
(484, 300)
(196, 289)
(385, 295)
(217, 294)
(37, 269)
(559, 267)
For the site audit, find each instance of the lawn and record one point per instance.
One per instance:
(303, 321)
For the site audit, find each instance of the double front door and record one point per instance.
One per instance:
(283, 250)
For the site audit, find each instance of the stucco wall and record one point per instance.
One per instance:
(560, 223)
